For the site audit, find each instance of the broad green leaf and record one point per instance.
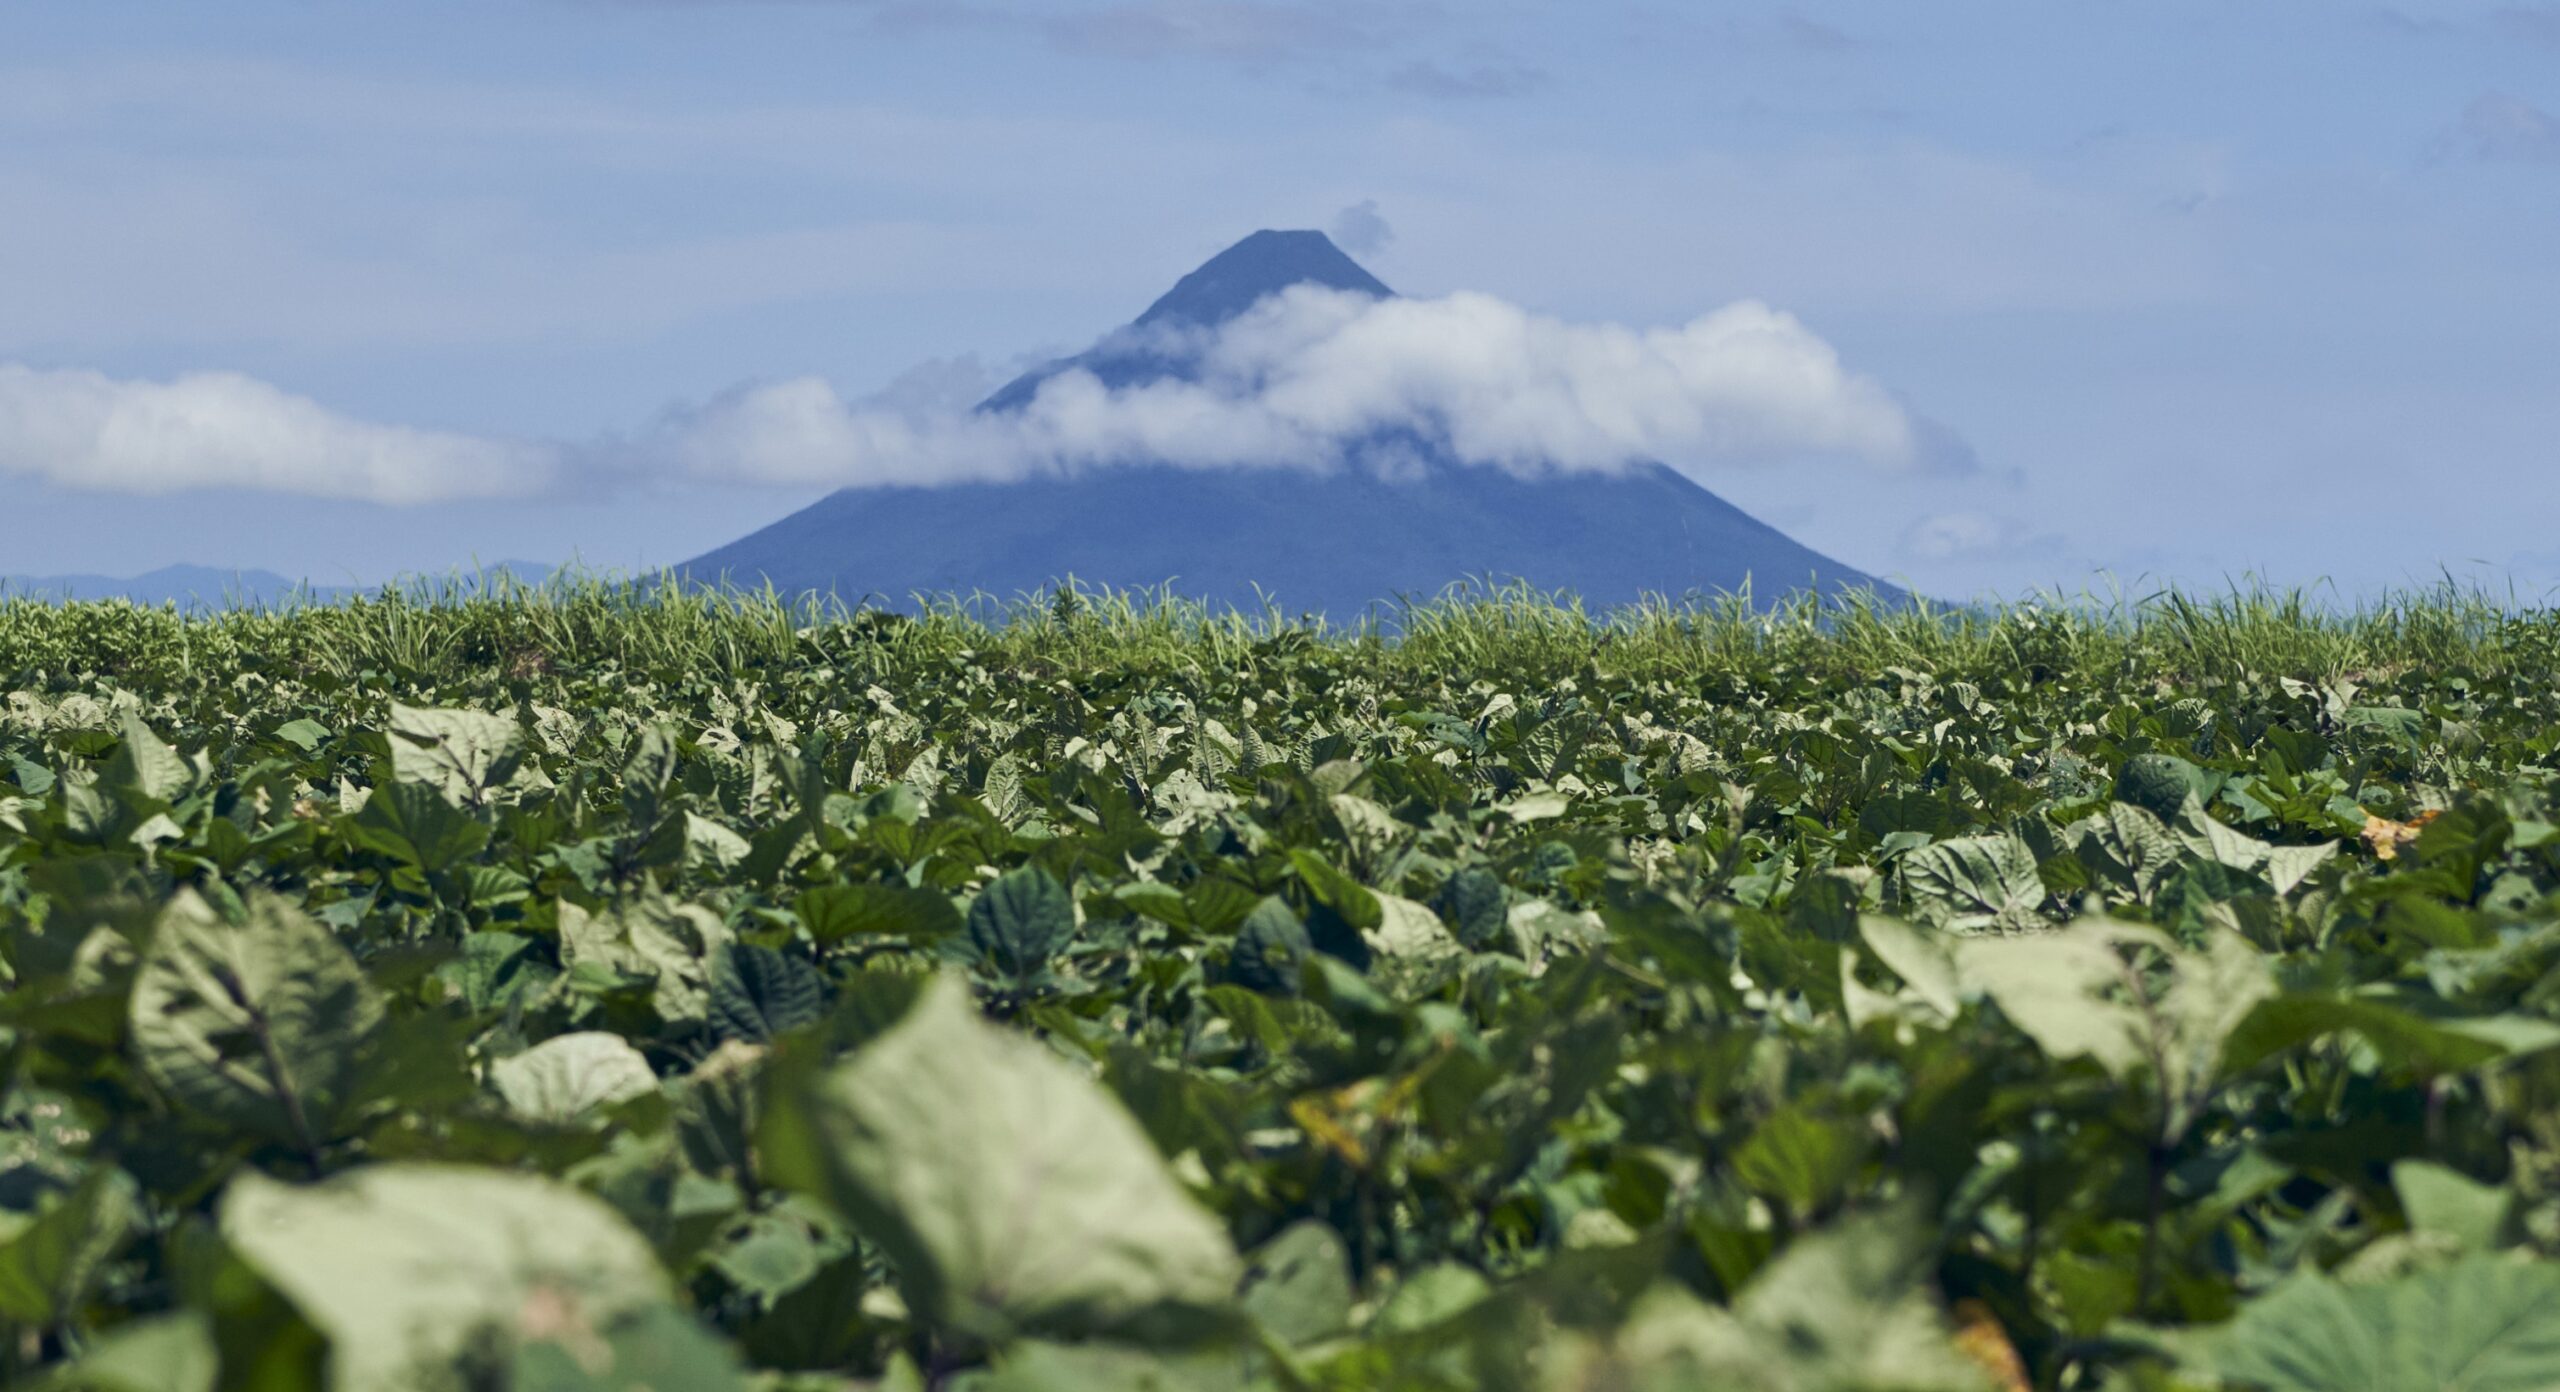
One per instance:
(49, 1267)
(304, 734)
(758, 994)
(257, 1026)
(1925, 963)
(1477, 907)
(1408, 930)
(1013, 1194)
(2130, 999)
(1351, 900)
(1841, 1310)
(1430, 1297)
(1980, 884)
(568, 1076)
(668, 943)
(1537, 807)
(1019, 923)
(461, 754)
(147, 766)
(157, 1353)
(2162, 784)
(2484, 1324)
(707, 842)
(2406, 1040)
(496, 970)
(2451, 1204)
(33, 779)
(1800, 1157)
(1297, 1286)
(2285, 867)
(424, 1277)
(414, 822)
(834, 913)
(779, 1250)
(656, 1349)
(2128, 847)
(1270, 950)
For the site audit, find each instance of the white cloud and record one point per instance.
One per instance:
(1310, 376)
(84, 430)
(1308, 379)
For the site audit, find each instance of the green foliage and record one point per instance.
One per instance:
(603, 989)
(255, 1026)
(420, 1276)
(1011, 1194)
(2480, 1325)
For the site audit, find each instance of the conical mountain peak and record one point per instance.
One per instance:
(1265, 263)
(1336, 536)
(1225, 286)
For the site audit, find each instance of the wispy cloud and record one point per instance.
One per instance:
(1245, 31)
(1361, 230)
(1396, 43)
(84, 430)
(1467, 83)
(1973, 536)
(2535, 24)
(2502, 128)
(1815, 35)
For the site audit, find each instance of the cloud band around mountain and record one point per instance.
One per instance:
(1311, 376)
(1307, 378)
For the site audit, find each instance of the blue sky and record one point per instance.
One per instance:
(2205, 288)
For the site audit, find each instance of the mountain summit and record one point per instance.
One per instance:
(1224, 287)
(1265, 263)
(1336, 538)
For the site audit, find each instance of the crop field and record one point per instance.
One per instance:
(595, 989)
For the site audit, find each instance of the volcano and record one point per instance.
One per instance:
(1340, 538)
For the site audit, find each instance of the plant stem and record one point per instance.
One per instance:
(2154, 1209)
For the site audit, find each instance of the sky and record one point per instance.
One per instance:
(2042, 296)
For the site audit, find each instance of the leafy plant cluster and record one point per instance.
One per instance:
(596, 990)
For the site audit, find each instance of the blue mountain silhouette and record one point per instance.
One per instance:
(1335, 540)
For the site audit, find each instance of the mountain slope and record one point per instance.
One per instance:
(1333, 538)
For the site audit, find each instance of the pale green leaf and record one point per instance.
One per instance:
(157, 1353)
(2451, 1204)
(1298, 1285)
(2484, 1324)
(146, 765)
(255, 1026)
(49, 1267)
(1975, 884)
(665, 942)
(2130, 999)
(1011, 1191)
(423, 1276)
(1926, 964)
(569, 1075)
(459, 753)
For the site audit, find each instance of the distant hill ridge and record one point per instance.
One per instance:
(217, 587)
(1335, 540)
